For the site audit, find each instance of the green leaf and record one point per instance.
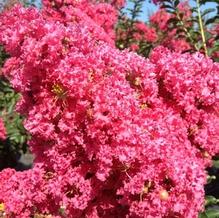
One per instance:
(193, 19)
(212, 213)
(216, 163)
(210, 200)
(202, 215)
(179, 30)
(170, 11)
(176, 2)
(210, 178)
(168, 1)
(165, 6)
(205, 1)
(208, 35)
(216, 59)
(194, 10)
(173, 20)
(211, 20)
(207, 11)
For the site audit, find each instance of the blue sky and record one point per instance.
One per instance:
(150, 8)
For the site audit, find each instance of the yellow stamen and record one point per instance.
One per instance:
(65, 40)
(145, 189)
(2, 207)
(193, 130)
(59, 91)
(206, 154)
(48, 175)
(38, 215)
(164, 195)
(143, 106)
(91, 75)
(137, 81)
(90, 112)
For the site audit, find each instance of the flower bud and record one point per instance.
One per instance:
(163, 195)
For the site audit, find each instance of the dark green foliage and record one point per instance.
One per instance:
(11, 148)
(209, 18)
(210, 213)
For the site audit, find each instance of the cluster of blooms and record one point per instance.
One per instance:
(2, 130)
(169, 38)
(105, 139)
(158, 32)
(143, 33)
(160, 19)
(212, 42)
(179, 37)
(116, 3)
(95, 15)
(137, 35)
(133, 37)
(156, 2)
(190, 85)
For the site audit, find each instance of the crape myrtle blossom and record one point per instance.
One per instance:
(160, 19)
(169, 38)
(106, 141)
(98, 16)
(2, 130)
(144, 32)
(190, 85)
(157, 2)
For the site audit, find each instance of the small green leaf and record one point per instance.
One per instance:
(173, 20)
(210, 200)
(176, 2)
(202, 215)
(212, 213)
(216, 163)
(210, 178)
(207, 11)
(165, 6)
(211, 20)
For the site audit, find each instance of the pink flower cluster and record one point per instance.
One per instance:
(160, 19)
(113, 134)
(190, 85)
(99, 17)
(2, 130)
(144, 32)
(142, 37)
(157, 1)
(168, 36)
